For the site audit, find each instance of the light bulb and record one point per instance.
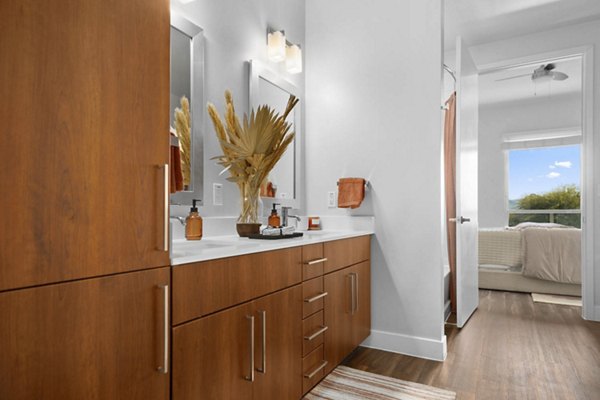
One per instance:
(276, 46)
(293, 59)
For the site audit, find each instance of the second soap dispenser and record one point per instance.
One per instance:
(193, 223)
(274, 220)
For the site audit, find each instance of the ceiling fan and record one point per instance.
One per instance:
(543, 71)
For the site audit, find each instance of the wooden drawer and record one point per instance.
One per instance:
(312, 261)
(312, 295)
(203, 288)
(313, 367)
(313, 331)
(346, 252)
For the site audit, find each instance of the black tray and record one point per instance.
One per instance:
(275, 237)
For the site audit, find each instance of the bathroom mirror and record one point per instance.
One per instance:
(268, 87)
(187, 81)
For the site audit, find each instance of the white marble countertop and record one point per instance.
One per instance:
(211, 248)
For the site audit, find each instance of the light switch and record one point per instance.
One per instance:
(217, 194)
(331, 200)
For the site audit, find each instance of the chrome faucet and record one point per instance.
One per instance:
(180, 219)
(285, 215)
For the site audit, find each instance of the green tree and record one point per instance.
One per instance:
(562, 198)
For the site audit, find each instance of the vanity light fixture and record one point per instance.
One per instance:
(293, 58)
(279, 49)
(276, 46)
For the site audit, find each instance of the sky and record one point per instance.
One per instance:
(541, 170)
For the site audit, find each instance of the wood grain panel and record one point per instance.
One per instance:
(313, 252)
(338, 317)
(310, 325)
(98, 338)
(85, 120)
(361, 324)
(206, 287)
(282, 377)
(346, 252)
(310, 289)
(211, 356)
(309, 364)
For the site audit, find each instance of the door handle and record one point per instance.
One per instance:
(315, 298)
(263, 367)
(317, 261)
(250, 377)
(164, 240)
(164, 368)
(353, 293)
(461, 219)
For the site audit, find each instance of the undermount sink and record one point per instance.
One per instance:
(190, 248)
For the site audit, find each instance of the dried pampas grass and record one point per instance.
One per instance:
(183, 125)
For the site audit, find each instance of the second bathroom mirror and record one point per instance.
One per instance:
(268, 87)
(187, 82)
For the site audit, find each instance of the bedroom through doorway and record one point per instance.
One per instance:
(530, 179)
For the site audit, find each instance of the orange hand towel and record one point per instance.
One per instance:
(351, 192)
(175, 166)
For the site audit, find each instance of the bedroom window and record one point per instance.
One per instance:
(544, 185)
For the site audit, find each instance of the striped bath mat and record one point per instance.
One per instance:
(351, 384)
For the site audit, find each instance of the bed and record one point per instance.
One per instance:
(532, 257)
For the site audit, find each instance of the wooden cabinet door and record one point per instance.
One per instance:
(83, 135)
(98, 338)
(339, 341)
(361, 319)
(281, 377)
(211, 356)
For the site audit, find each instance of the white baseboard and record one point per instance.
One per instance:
(408, 345)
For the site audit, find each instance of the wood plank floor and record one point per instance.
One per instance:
(511, 348)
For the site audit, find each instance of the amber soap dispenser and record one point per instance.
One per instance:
(274, 220)
(193, 223)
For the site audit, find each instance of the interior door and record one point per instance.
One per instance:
(467, 112)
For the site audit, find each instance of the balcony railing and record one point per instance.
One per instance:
(564, 217)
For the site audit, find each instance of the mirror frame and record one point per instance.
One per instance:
(258, 70)
(197, 102)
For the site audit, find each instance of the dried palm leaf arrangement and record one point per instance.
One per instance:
(183, 126)
(250, 151)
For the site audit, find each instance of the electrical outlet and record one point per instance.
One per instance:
(331, 200)
(217, 194)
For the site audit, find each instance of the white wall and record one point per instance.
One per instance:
(373, 82)
(499, 119)
(236, 32)
(563, 38)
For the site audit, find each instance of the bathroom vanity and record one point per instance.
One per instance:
(268, 324)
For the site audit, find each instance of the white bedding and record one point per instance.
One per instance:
(552, 254)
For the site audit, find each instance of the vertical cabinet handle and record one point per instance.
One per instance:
(164, 368)
(166, 209)
(353, 296)
(251, 376)
(356, 292)
(263, 366)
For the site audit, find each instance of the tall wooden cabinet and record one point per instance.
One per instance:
(83, 210)
(85, 120)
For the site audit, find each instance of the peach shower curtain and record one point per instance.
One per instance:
(450, 190)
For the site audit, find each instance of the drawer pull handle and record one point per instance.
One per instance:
(316, 371)
(315, 298)
(317, 261)
(317, 333)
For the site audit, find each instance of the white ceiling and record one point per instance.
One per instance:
(493, 91)
(484, 21)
